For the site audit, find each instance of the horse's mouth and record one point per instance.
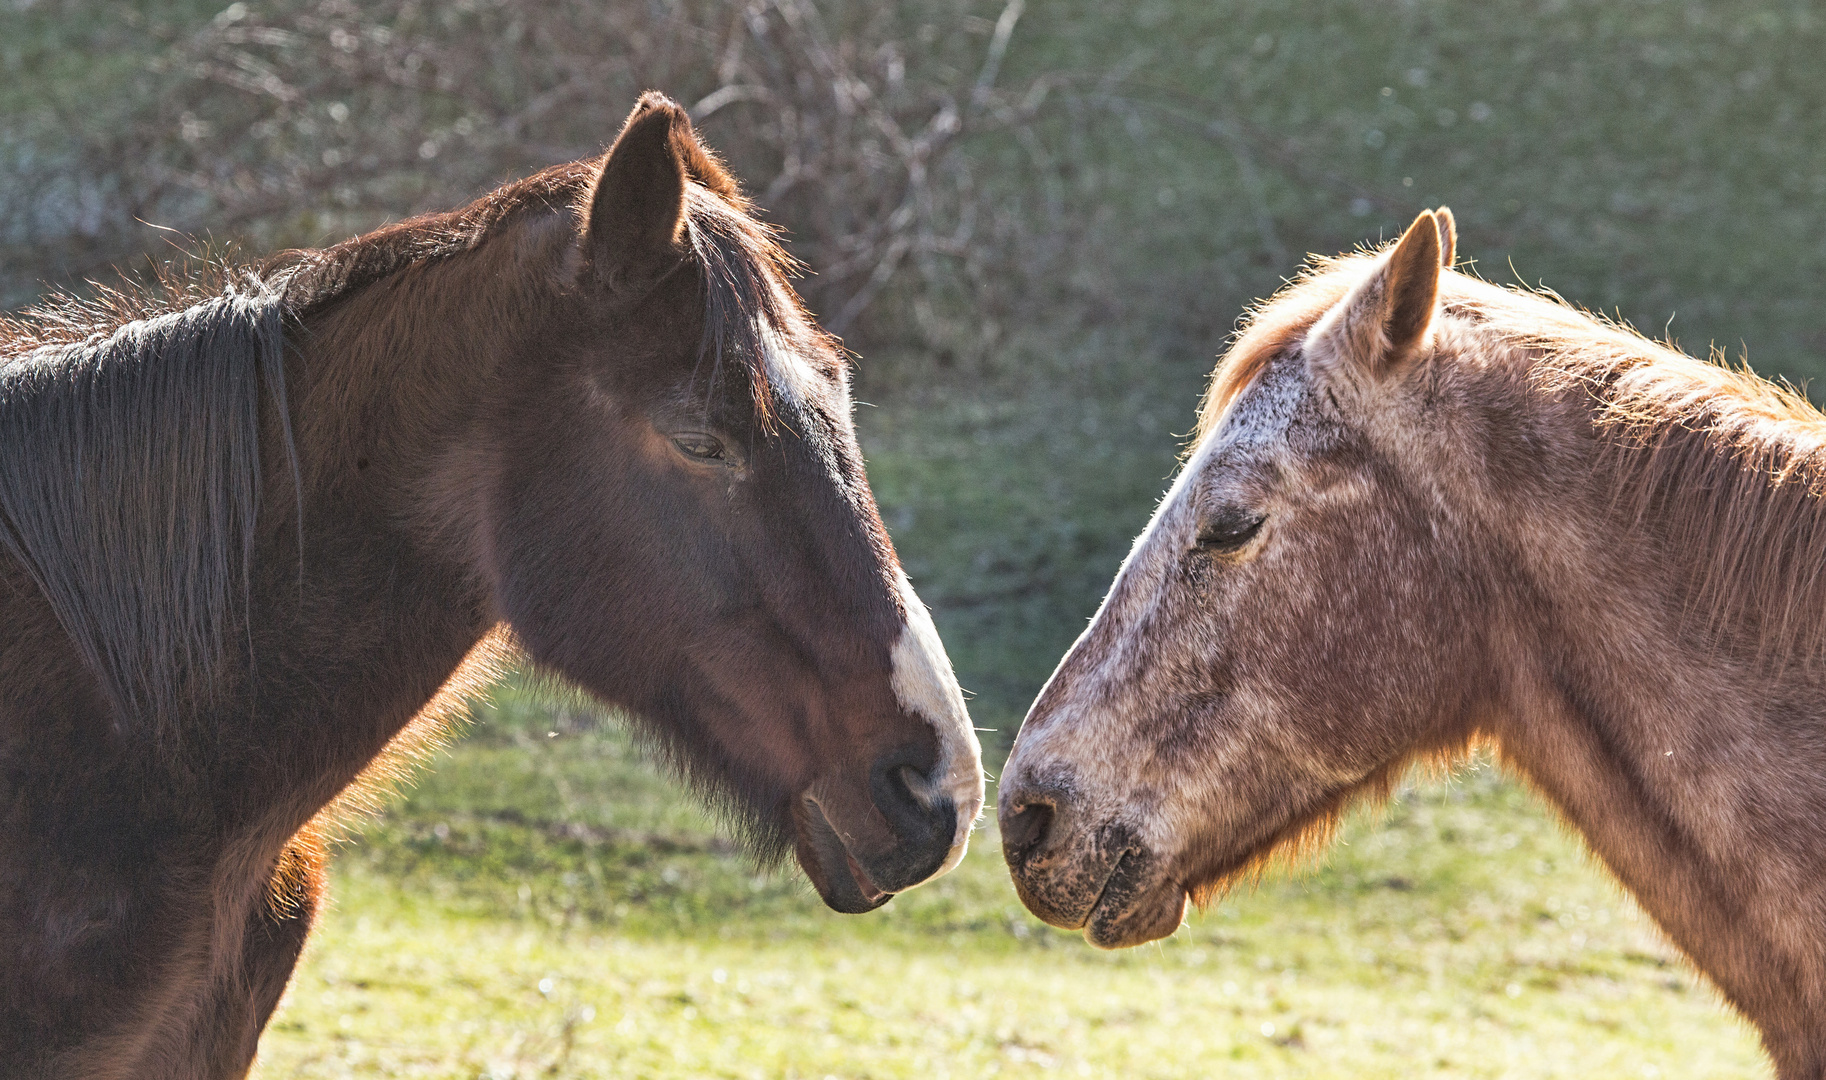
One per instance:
(841, 881)
(1137, 904)
(1118, 894)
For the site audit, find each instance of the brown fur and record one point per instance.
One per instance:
(1532, 529)
(587, 407)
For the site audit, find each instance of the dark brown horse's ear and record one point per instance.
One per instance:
(1448, 237)
(637, 204)
(1383, 320)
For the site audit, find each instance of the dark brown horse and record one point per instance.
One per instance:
(1426, 512)
(247, 540)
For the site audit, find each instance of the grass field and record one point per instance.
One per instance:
(547, 905)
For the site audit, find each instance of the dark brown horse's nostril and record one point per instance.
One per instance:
(922, 819)
(1025, 830)
(893, 783)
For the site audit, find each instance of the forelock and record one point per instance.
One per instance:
(1273, 326)
(752, 316)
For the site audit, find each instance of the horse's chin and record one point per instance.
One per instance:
(841, 882)
(1141, 901)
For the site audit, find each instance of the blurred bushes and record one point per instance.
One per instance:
(296, 122)
(984, 164)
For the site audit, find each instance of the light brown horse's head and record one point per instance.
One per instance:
(1289, 631)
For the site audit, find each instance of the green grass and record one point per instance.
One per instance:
(550, 906)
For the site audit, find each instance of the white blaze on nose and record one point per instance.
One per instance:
(926, 688)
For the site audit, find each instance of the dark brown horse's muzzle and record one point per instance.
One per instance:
(1075, 874)
(860, 849)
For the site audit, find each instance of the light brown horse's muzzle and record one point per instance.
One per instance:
(1077, 874)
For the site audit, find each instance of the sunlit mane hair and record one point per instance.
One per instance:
(129, 422)
(748, 306)
(1723, 467)
(750, 313)
(1726, 469)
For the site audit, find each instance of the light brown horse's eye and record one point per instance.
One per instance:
(1229, 529)
(698, 445)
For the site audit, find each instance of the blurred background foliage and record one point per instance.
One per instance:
(1036, 223)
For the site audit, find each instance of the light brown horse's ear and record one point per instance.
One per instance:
(1384, 319)
(1448, 237)
(637, 203)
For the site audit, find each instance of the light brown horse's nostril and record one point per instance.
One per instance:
(1025, 830)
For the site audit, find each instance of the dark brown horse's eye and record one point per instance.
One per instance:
(1229, 529)
(698, 445)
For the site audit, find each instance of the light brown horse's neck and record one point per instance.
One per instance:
(1701, 802)
(1689, 753)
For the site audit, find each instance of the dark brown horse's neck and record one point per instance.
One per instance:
(1692, 770)
(392, 387)
(138, 905)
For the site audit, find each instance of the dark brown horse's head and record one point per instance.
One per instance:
(677, 521)
(1289, 629)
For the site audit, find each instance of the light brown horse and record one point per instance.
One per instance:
(247, 536)
(1424, 511)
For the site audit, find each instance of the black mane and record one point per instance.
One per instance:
(130, 486)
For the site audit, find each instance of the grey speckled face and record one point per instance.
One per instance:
(1235, 686)
(1093, 796)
